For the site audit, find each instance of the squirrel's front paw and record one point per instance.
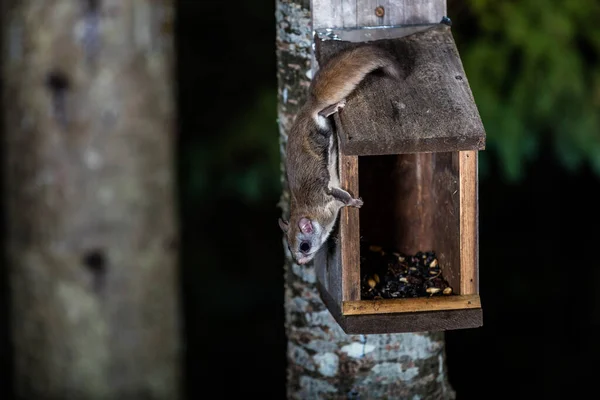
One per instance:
(356, 203)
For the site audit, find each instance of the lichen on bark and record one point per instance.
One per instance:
(324, 362)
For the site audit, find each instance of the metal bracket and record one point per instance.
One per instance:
(368, 33)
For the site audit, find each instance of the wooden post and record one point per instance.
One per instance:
(324, 362)
(92, 234)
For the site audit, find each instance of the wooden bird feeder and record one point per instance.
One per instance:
(409, 150)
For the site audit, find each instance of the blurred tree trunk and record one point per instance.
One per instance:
(324, 362)
(90, 210)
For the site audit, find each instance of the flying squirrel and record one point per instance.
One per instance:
(311, 154)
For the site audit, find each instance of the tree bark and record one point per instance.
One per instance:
(89, 190)
(324, 362)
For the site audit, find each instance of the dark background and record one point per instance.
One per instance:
(534, 70)
(538, 199)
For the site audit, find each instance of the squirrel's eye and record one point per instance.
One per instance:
(304, 247)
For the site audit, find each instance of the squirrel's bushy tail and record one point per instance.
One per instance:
(339, 76)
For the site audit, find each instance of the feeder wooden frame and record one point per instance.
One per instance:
(410, 150)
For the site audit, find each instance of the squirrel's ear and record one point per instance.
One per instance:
(284, 225)
(305, 225)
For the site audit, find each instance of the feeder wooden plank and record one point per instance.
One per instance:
(446, 216)
(432, 321)
(350, 231)
(419, 304)
(352, 14)
(430, 110)
(333, 305)
(328, 267)
(468, 222)
(418, 321)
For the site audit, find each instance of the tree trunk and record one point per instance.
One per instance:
(324, 362)
(91, 221)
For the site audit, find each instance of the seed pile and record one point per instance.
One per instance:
(387, 274)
